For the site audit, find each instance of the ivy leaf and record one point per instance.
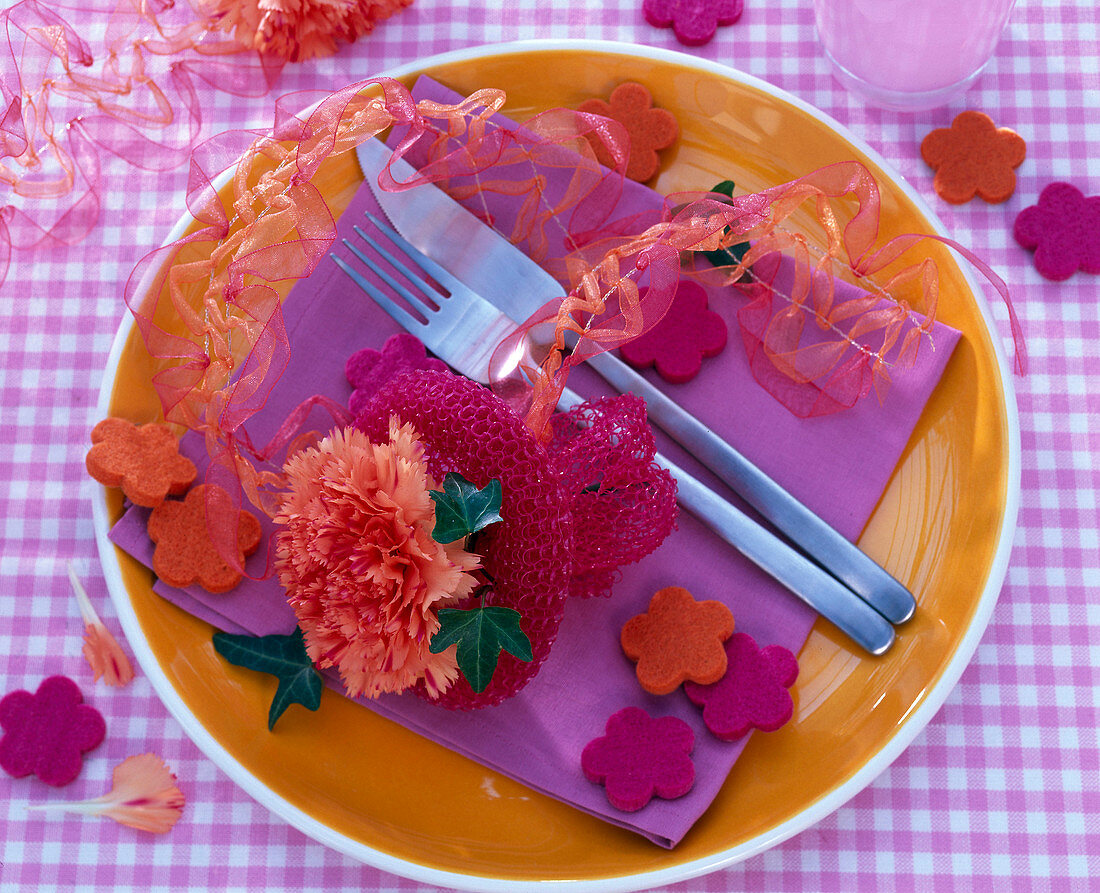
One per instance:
(481, 634)
(724, 257)
(462, 509)
(282, 656)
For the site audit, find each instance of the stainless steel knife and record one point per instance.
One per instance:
(453, 237)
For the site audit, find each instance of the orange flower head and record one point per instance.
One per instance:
(356, 555)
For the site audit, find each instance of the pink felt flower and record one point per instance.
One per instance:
(368, 369)
(752, 694)
(356, 555)
(677, 345)
(694, 22)
(640, 757)
(46, 733)
(295, 30)
(1064, 230)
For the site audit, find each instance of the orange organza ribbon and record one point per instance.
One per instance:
(65, 101)
(209, 309)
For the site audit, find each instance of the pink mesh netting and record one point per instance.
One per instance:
(466, 429)
(574, 512)
(623, 504)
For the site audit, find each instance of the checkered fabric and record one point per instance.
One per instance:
(1002, 789)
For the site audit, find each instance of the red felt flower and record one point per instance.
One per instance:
(650, 129)
(1064, 231)
(46, 733)
(694, 22)
(752, 694)
(686, 334)
(973, 157)
(640, 757)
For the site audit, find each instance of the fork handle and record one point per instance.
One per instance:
(822, 592)
(804, 528)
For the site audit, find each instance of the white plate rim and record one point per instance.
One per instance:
(815, 812)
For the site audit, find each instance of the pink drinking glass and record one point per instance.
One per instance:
(909, 54)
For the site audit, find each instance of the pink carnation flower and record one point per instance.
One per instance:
(362, 572)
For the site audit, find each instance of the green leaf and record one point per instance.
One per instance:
(282, 656)
(723, 257)
(462, 509)
(481, 634)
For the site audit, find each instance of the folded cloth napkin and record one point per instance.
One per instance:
(838, 465)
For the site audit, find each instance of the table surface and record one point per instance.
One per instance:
(1002, 787)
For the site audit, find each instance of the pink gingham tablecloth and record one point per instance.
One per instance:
(1000, 791)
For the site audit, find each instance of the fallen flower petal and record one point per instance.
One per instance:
(101, 650)
(144, 796)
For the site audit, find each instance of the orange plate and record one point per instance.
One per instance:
(374, 790)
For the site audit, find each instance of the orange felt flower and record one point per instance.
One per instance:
(185, 554)
(356, 555)
(973, 157)
(144, 796)
(650, 129)
(677, 640)
(145, 462)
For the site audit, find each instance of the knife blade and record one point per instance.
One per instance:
(490, 265)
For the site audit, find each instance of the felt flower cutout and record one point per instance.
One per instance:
(752, 694)
(973, 157)
(1064, 230)
(144, 461)
(46, 733)
(683, 337)
(368, 369)
(144, 796)
(101, 650)
(639, 757)
(676, 640)
(694, 22)
(295, 30)
(650, 129)
(362, 571)
(185, 554)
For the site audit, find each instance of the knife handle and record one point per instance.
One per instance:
(824, 593)
(804, 528)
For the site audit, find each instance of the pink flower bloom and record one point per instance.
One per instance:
(362, 572)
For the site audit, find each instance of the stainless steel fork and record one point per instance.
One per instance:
(463, 329)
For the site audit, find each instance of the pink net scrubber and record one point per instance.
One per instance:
(466, 429)
(623, 505)
(574, 511)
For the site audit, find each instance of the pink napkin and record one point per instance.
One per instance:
(838, 465)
